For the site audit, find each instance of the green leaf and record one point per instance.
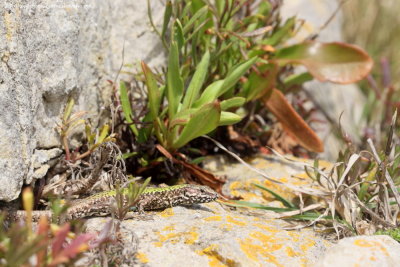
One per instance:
(308, 216)
(210, 94)
(126, 107)
(103, 133)
(235, 75)
(174, 81)
(167, 17)
(195, 18)
(233, 102)
(154, 93)
(229, 118)
(240, 203)
(297, 79)
(364, 186)
(282, 33)
(261, 84)
(89, 135)
(198, 160)
(197, 81)
(178, 34)
(68, 109)
(182, 117)
(285, 202)
(334, 62)
(128, 155)
(205, 120)
(217, 88)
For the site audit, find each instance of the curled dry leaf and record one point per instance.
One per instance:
(292, 122)
(335, 62)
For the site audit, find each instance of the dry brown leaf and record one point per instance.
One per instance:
(292, 122)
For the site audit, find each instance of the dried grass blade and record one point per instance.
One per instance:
(387, 175)
(310, 191)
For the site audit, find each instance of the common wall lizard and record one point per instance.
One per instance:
(151, 199)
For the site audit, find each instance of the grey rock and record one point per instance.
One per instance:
(53, 50)
(371, 251)
(213, 234)
(208, 234)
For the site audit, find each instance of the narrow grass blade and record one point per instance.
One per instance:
(247, 204)
(167, 17)
(126, 107)
(194, 19)
(278, 197)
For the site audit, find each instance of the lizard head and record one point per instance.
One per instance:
(199, 194)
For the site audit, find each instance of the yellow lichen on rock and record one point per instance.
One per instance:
(216, 218)
(189, 237)
(142, 257)
(215, 259)
(167, 213)
(258, 247)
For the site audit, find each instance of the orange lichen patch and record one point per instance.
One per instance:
(263, 164)
(372, 258)
(167, 213)
(373, 245)
(279, 189)
(301, 179)
(259, 247)
(189, 237)
(226, 226)
(244, 189)
(267, 240)
(192, 237)
(308, 243)
(291, 253)
(142, 257)
(266, 227)
(294, 235)
(325, 164)
(215, 259)
(213, 218)
(365, 243)
(283, 179)
(235, 221)
(169, 228)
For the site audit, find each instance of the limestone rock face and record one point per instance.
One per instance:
(214, 234)
(379, 250)
(53, 50)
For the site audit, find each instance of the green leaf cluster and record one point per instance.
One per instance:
(195, 110)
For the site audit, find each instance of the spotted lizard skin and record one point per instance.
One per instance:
(151, 199)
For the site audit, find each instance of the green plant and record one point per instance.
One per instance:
(393, 233)
(234, 31)
(192, 112)
(50, 245)
(127, 198)
(71, 121)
